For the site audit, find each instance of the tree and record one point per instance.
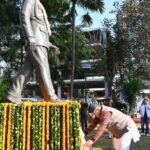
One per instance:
(125, 54)
(10, 41)
(131, 87)
(115, 54)
(133, 17)
(90, 5)
(96, 5)
(4, 86)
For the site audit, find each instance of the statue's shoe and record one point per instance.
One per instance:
(14, 100)
(7, 101)
(56, 100)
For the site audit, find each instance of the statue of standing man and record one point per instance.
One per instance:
(36, 31)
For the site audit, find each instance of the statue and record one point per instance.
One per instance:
(36, 31)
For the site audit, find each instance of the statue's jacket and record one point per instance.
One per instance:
(33, 23)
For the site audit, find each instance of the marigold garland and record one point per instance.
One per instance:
(4, 126)
(28, 125)
(9, 126)
(43, 126)
(1, 124)
(67, 126)
(63, 128)
(47, 127)
(24, 128)
(33, 127)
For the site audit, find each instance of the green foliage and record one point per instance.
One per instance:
(92, 5)
(10, 46)
(116, 53)
(64, 13)
(61, 37)
(115, 56)
(10, 40)
(131, 87)
(4, 86)
(133, 18)
(8, 13)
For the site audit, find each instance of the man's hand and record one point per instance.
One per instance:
(89, 142)
(88, 145)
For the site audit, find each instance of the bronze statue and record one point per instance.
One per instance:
(36, 31)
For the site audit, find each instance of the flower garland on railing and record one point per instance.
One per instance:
(9, 126)
(16, 126)
(63, 128)
(76, 126)
(36, 127)
(71, 129)
(47, 127)
(43, 126)
(4, 126)
(67, 127)
(1, 125)
(28, 126)
(40, 126)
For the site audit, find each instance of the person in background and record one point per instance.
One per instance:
(84, 115)
(144, 110)
(119, 124)
(91, 99)
(110, 104)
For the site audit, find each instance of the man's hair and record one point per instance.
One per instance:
(92, 107)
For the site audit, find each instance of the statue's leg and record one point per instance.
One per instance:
(41, 66)
(19, 81)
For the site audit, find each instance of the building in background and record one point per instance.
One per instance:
(91, 82)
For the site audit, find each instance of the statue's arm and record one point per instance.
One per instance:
(27, 8)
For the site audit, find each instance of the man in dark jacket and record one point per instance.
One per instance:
(84, 115)
(36, 32)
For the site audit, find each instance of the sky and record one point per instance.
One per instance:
(97, 17)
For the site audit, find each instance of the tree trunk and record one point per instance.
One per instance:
(110, 100)
(131, 107)
(73, 49)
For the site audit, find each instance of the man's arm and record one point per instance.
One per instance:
(140, 109)
(92, 125)
(105, 120)
(27, 8)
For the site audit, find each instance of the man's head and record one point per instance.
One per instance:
(145, 101)
(95, 110)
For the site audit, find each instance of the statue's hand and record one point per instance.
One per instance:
(54, 49)
(31, 43)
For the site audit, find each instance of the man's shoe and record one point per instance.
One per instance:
(147, 134)
(142, 134)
